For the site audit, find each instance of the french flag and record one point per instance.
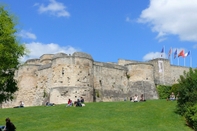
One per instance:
(187, 54)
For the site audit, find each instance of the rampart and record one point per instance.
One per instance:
(58, 77)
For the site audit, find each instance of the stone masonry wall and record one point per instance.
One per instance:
(176, 71)
(58, 77)
(141, 80)
(110, 82)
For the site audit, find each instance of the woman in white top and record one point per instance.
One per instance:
(135, 98)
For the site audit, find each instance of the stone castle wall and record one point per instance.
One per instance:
(110, 82)
(58, 77)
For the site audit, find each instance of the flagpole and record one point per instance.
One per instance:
(171, 56)
(184, 61)
(163, 75)
(178, 60)
(190, 58)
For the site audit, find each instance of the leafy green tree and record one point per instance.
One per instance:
(187, 99)
(163, 91)
(187, 91)
(10, 52)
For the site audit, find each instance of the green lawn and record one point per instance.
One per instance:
(152, 115)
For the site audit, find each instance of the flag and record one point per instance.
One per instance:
(181, 54)
(186, 54)
(162, 51)
(169, 53)
(175, 53)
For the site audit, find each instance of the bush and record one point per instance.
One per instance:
(191, 116)
(175, 88)
(163, 91)
(187, 101)
(187, 91)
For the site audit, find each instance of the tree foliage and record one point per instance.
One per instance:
(10, 52)
(187, 91)
(187, 100)
(165, 91)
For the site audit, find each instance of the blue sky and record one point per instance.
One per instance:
(108, 30)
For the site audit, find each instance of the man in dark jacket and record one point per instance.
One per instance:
(9, 125)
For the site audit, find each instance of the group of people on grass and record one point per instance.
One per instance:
(135, 98)
(78, 103)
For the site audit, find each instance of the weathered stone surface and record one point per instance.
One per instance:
(58, 77)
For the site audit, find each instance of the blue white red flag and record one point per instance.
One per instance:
(186, 54)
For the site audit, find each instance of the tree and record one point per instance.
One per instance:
(187, 90)
(187, 99)
(10, 52)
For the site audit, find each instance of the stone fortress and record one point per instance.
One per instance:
(58, 77)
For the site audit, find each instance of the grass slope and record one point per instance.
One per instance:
(152, 115)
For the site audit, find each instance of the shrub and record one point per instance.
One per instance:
(163, 91)
(191, 116)
(187, 101)
(174, 88)
(187, 91)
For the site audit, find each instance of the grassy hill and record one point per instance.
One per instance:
(152, 115)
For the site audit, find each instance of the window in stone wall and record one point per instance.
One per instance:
(62, 71)
(100, 82)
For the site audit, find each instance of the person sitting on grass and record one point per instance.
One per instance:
(142, 98)
(69, 103)
(50, 104)
(82, 100)
(131, 98)
(135, 98)
(20, 105)
(9, 125)
(172, 96)
(78, 103)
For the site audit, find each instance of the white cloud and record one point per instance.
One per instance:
(176, 17)
(27, 35)
(153, 55)
(54, 8)
(37, 49)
